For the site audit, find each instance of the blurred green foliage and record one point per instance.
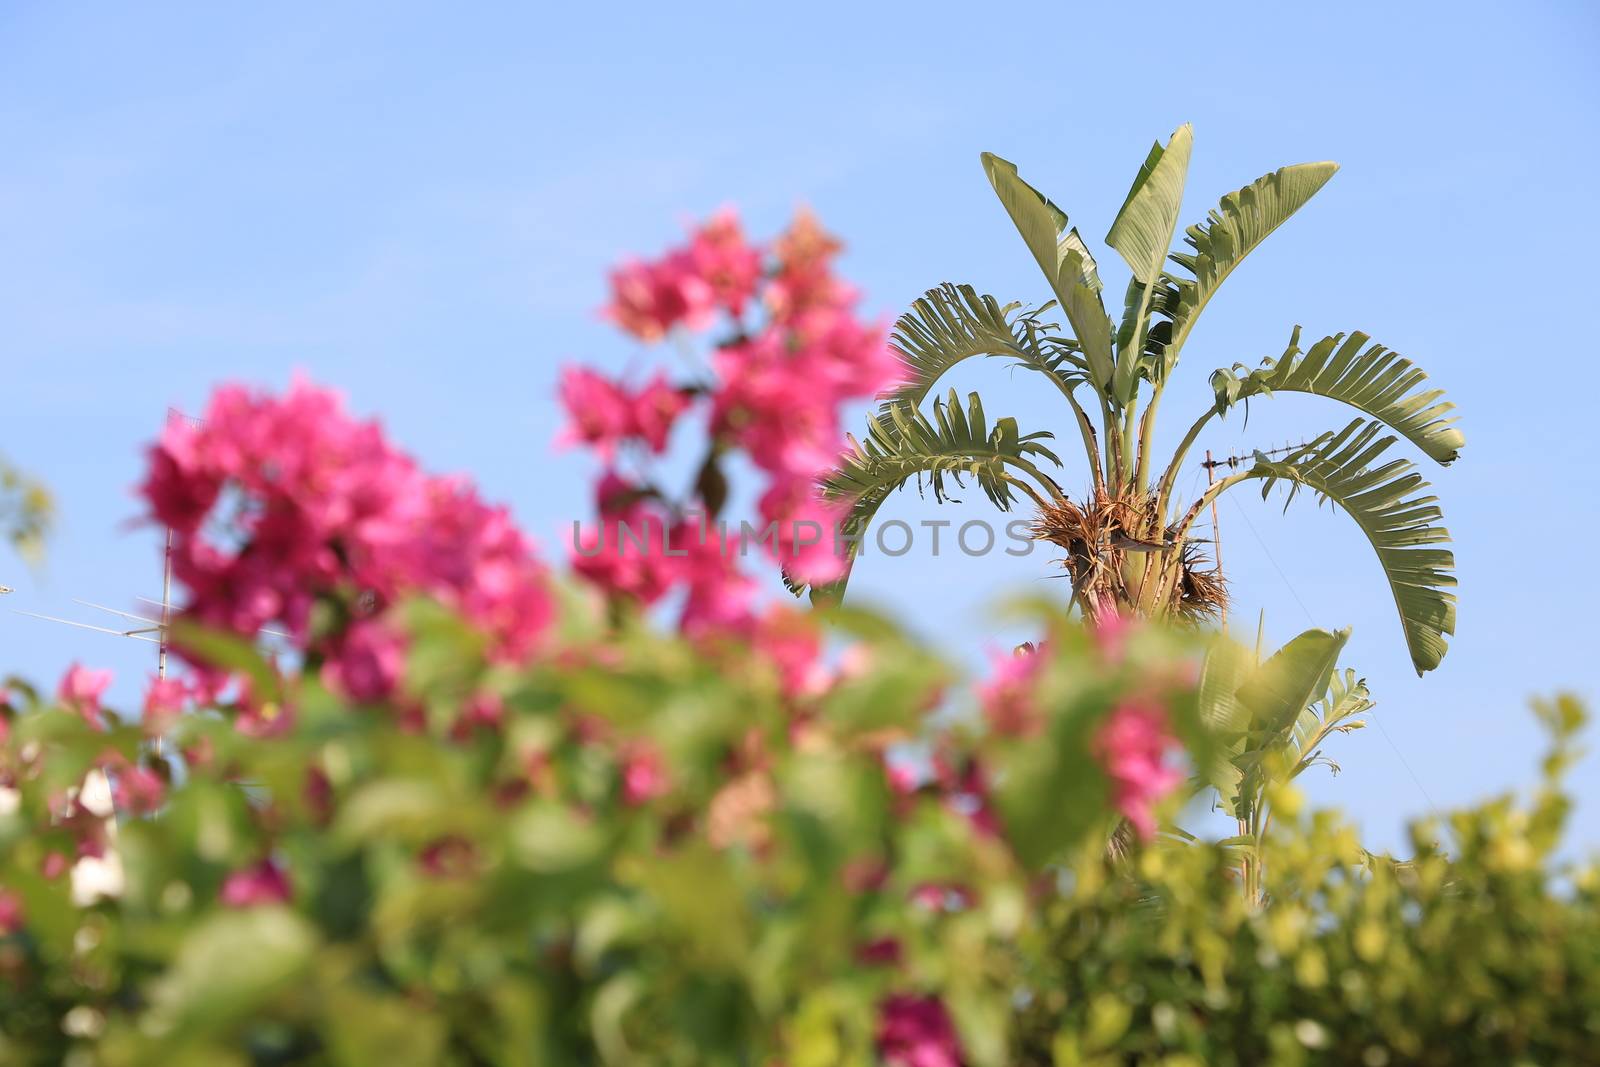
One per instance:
(494, 896)
(26, 512)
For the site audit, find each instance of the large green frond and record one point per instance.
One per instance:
(1370, 378)
(903, 444)
(954, 323)
(1385, 499)
(1142, 231)
(1142, 235)
(1241, 222)
(1271, 718)
(1065, 260)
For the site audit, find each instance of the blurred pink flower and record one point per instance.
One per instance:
(263, 883)
(1131, 746)
(725, 261)
(644, 777)
(366, 663)
(324, 506)
(599, 410)
(916, 1031)
(138, 790)
(1008, 699)
(649, 299)
(81, 690)
(11, 912)
(654, 409)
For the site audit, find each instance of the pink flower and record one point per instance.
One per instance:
(643, 776)
(367, 664)
(725, 261)
(774, 404)
(805, 281)
(880, 952)
(1008, 698)
(1131, 746)
(807, 542)
(320, 506)
(263, 883)
(720, 596)
(654, 409)
(11, 912)
(788, 640)
(81, 690)
(139, 790)
(649, 299)
(916, 1031)
(599, 410)
(625, 554)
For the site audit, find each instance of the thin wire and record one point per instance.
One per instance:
(1371, 712)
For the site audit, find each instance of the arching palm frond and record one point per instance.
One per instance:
(1371, 378)
(1242, 221)
(902, 444)
(1384, 498)
(953, 323)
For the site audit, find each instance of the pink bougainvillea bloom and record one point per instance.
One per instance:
(263, 883)
(599, 411)
(81, 690)
(720, 596)
(773, 403)
(853, 357)
(725, 261)
(1131, 746)
(624, 554)
(164, 699)
(11, 913)
(320, 504)
(138, 791)
(807, 541)
(644, 776)
(367, 663)
(805, 281)
(916, 1031)
(650, 299)
(1009, 702)
(654, 409)
(941, 896)
(880, 952)
(789, 641)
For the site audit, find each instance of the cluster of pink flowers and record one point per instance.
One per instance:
(775, 395)
(277, 503)
(916, 1031)
(1007, 696)
(1132, 746)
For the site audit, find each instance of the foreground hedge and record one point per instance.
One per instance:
(660, 851)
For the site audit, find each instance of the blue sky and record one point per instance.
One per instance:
(418, 205)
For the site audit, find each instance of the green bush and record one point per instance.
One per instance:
(657, 854)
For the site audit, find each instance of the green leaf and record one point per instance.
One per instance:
(232, 653)
(230, 967)
(1065, 260)
(1142, 235)
(1243, 220)
(1383, 498)
(902, 443)
(1142, 232)
(953, 323)
(1283, 687)
(1370, 378)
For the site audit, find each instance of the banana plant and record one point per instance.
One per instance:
(1270, 721)
(1128, 538)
